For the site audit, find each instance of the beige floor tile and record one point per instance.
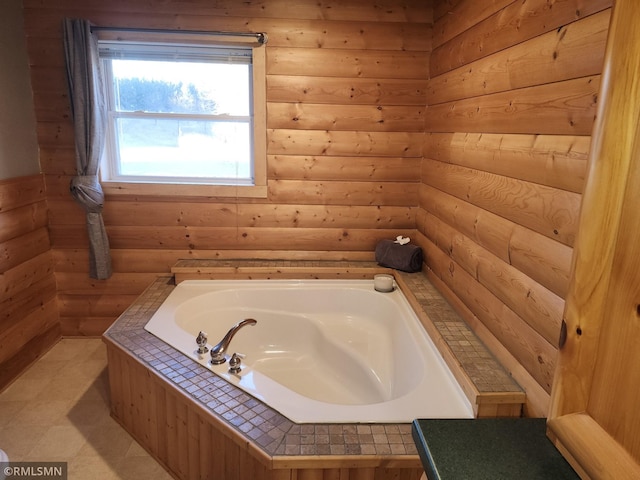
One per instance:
(58, 410)
(41, 413)
(66, 386)
(8, 410)
(71, 349)
(59, 443)
(110, 441)
(136, 450)
(18, 441)
(86, 369)
(142, 468)
(90, 409)
(44, 370)
(23, 390)
(82, 468)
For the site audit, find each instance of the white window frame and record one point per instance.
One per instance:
(180, 187)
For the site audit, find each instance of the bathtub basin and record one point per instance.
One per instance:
(322, 351)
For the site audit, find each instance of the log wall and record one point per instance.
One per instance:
(505, 92)
(345, 112)
(29, 321)
(511, 104)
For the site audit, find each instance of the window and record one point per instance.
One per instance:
(186, 115)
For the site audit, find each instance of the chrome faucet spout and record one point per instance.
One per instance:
(218, 352)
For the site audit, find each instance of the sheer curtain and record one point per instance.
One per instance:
(89, 118)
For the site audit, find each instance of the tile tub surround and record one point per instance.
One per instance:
(266, 428)
(489, 388)
(263, 428)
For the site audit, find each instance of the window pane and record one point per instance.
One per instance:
(184, 148)
(181, 87)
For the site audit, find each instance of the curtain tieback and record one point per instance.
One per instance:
(87, 191)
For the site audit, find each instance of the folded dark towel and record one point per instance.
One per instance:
(407, 258)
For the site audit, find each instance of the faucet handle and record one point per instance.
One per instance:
(201, 341)
(235, 363)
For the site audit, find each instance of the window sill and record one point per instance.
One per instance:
(184, 190)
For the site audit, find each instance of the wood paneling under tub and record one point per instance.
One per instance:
(346, 103)
(29, 319)
(192, 443)
(511, 104)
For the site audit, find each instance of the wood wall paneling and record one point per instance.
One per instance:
(508, 26)
(29, 322)
(511, 102)
(550, 57)
(510, 98)
(346, 104)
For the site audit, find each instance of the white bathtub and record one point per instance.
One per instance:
(322, 351)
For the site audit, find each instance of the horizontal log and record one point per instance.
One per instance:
(58, 161)
(160, 261)
(306, 116)
(350, 36)
(52, 107)
(85, 306)
(72, 283)
(55, 134)
(573, 51)
(444, 7)
(548, 211)
(354, 193)
(26, 301)
(50, 81)
(212, 238)
(83, 326)
(317, 142)
(326, 62)
(536, 305)
(317, 216)
(118, 212)
(283, 32)
(488, 230)
(562, 108)
(537, 399)
(355, 10)
(26, 328)
(528, 347)
(552, 160)
(22, 276)
(454, 17)
(22, 220)
(324, 167)
(509, 26)
(543, 259)
(25, 247)
(13, 367)
(66, 211)
(346, 91)
(21, 191)
(344, 193)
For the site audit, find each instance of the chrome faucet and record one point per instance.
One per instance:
(218, 352)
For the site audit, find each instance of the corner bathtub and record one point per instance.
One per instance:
(322, 351)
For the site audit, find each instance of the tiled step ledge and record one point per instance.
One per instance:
(489, 388)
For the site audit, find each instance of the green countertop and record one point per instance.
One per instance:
(492, 448)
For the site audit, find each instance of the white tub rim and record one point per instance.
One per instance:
(348, 413)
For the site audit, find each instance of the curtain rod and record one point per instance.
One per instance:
(261, 37)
